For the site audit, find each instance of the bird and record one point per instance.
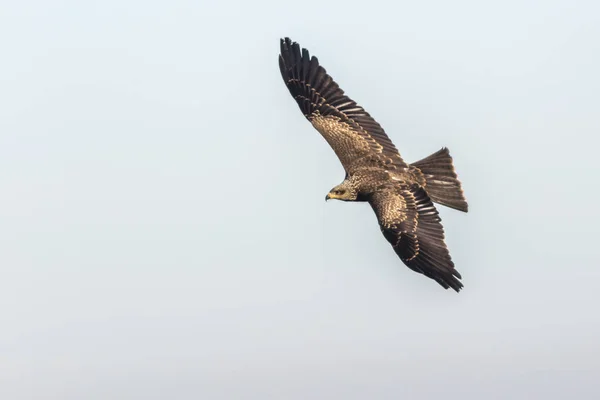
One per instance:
(401, 194)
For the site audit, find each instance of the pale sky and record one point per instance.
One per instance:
(163, 224)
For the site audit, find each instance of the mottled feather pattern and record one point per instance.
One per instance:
(416, 233)
(319, 96)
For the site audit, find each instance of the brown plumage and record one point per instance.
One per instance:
(401, 194)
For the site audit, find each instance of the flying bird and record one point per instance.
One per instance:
(401, 194)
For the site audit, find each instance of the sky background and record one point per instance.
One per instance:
(163, 226)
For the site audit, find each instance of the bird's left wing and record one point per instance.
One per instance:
(353, 134)
(410, 222)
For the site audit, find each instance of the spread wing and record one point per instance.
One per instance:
(410, 222)
(354, 135)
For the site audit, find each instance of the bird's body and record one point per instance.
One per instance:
(401, 194)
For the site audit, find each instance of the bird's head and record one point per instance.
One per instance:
(344, 191)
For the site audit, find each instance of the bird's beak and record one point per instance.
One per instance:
(327, 197)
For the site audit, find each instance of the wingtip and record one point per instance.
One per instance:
(457, 285)
(286, 41)
(453, 284)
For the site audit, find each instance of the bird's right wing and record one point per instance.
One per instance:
(410, 222)
(353, 134)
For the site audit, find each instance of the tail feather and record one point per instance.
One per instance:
(441, 182)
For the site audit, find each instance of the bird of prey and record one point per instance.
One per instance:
(401, 194)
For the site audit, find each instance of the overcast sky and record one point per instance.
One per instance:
(163, 226)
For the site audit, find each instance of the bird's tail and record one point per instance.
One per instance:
(441, 183)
